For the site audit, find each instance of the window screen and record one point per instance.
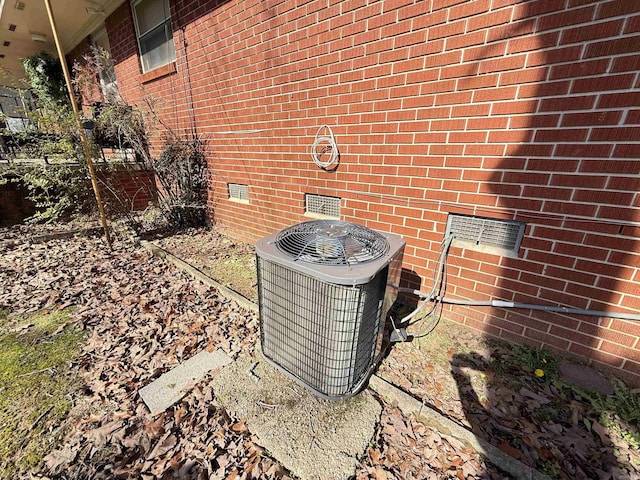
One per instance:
(155, 37)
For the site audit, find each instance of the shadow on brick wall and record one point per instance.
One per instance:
(572, 179)
(14, 207)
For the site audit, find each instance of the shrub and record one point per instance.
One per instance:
(181, 171)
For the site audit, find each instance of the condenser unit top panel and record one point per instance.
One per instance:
(336, 251)
(332, 243)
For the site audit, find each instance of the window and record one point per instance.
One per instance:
(155, 37)
(239, 192)
(107, 73)
(486, 234)
(322, 206)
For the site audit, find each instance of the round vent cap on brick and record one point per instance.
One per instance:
(332, 242)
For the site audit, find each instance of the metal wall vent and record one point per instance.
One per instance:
(332, 242)
(12, 27)
(6, 43)
(238, 191)
(482, 233)
(19, 5)
(322, 205)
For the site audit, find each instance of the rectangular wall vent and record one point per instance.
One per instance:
(6, 43)
(486, 234)
(12, 27)
(19, 5)
(238, 191)
(322, 205)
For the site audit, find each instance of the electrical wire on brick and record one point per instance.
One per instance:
(435, 299)
(432, 299)
(322, 145)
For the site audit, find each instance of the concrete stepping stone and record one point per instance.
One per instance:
(586, 377)
(172, 385)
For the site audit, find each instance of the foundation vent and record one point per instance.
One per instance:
(486, 234)
(238, 191)
(322, 205)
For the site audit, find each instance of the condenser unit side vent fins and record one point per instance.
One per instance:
(322, 205)
(323, 334)
(238, 191)
(486, 234)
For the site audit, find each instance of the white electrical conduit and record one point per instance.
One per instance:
(322, 145)
(527, 306)
(428, 297)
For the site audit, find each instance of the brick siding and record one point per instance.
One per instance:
(501, 108)
(127, 189)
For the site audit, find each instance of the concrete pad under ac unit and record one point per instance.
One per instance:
(314, 438)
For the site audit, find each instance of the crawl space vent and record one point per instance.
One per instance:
(322, 205)
(239, 191)
(486, 233)
(325, 287)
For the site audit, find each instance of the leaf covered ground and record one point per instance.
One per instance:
(230, 262)
(140, 318)
(492, 389)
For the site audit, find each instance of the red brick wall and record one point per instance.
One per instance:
(127, 190)
(162, 96)
(524, 110)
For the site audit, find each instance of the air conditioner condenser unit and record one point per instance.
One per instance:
(325, 287)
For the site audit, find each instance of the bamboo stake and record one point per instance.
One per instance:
(76, 114)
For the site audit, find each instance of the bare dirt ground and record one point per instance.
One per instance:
(224, 259)
(141, 317)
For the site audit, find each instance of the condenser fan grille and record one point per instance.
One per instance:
(332, 242)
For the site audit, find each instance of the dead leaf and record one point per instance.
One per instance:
(507, 448)
(602, 431)
(380, 474)
(240, 427)
(155, 427)
(166, 443)
(100, 434)
(232, 475)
